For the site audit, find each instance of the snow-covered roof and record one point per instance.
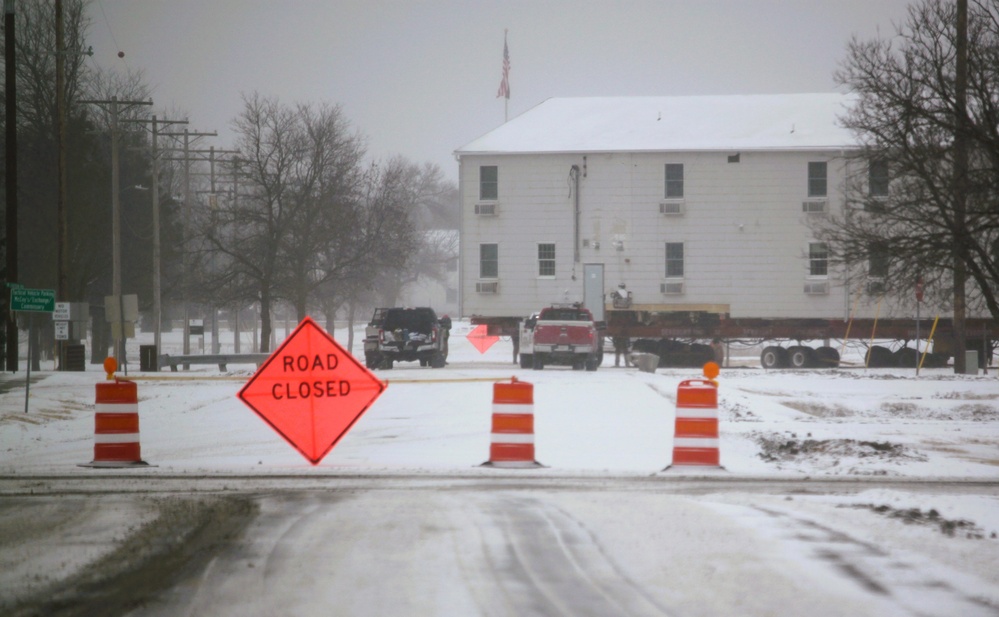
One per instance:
(675, 123)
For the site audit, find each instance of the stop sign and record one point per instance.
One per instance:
(311, 391)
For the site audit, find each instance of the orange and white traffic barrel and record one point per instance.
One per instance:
(695, 440)
(116, 423)
(512, 439)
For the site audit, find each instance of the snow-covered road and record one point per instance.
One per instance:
(847, 491)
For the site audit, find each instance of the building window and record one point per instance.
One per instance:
(877, 178)
(817, 179)
(818, 259)
(489, 182)
(674, 259)
(674, 180)
(546, 259)
(877, 260)
(488, 261)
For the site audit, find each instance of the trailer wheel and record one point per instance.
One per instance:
(800, 356)
(826, 357)
(906, 357)
(773, 357)
(526, 360)
(880, 357)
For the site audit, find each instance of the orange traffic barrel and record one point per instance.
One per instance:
(116, 425)
(512, 439)
(695, 439)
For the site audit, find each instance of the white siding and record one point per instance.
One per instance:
(744, 233)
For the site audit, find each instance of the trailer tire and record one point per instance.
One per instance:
(800, 356)
(526, 360)
(880, 357)
(773, 357)
(826, 357)
(906, 357)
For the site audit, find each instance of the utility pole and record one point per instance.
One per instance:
(960, 183)
(10, 216)
(212, 204)
(157, 260)
(114, 110)
(186, 159)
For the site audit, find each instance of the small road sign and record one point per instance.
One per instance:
(32, 300)
(311, 391)
(481, 339)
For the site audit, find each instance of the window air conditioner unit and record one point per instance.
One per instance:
(671, 208)
(816, 288)
(814, 207)
(671, 289)
(490, 287)
(485, 209)
(875, 285)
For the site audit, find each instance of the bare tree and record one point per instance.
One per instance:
(903, 222)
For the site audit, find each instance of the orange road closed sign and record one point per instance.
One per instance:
(311, 391)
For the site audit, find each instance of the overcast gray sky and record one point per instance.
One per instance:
(419, 77)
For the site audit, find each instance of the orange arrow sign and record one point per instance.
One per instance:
(481, 339)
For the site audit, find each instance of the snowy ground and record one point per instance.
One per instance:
(914, 465)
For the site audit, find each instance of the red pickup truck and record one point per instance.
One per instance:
(561, 335)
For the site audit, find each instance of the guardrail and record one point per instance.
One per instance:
(222, 360)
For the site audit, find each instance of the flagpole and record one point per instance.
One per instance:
(504, 89)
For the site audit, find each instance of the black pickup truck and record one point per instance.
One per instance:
(408, 334)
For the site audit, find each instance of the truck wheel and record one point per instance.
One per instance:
(372, 360)
(800, 356)
(387, 363)
(773, 357)
(437, 360)
(538, 362)
(526, 360)
(592, 364)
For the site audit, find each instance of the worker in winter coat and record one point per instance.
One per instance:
(719, 350)
(621, 344)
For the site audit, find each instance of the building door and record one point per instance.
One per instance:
(593, 289)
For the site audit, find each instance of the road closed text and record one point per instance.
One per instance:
(329, 388)
(310, 388)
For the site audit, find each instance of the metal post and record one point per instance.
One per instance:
(116, 235)
(157, 299)
(10, 216)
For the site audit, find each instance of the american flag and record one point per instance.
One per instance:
(504, 87)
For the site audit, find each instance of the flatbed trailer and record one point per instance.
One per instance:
(681, 337)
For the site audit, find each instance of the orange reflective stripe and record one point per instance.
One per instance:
(511, 452)
(513, 423)
(117, 392)
(696, 427)
(116, 423)
(516, 392)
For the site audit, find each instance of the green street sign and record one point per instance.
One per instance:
(33, 300)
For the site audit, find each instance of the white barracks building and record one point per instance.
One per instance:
(704, 208)
(699, 203)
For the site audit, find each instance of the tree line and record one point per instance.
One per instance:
(298, 215)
